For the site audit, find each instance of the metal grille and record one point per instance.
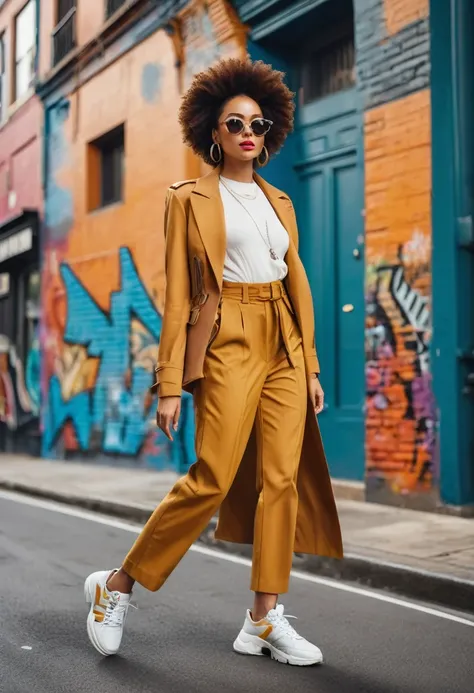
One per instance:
(64, 35)
(112, 6)
(329, 70)
(65, 6)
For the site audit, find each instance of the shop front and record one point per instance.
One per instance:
(19, 341)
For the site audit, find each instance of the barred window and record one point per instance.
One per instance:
(328, 70)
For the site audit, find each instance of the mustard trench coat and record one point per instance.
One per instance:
(195, 240)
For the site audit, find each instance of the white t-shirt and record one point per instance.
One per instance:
(248, 258)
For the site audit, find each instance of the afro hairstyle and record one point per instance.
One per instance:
(209, 91)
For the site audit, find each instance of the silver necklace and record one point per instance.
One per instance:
(267, 241)
(252, 196)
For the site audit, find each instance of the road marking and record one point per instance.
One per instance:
(26, 647)
(232, 558)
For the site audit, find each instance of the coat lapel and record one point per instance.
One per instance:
(282, 205)
(208, 211)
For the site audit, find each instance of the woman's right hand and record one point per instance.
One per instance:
(168, 413)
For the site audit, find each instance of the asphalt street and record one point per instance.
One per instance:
(180, 639)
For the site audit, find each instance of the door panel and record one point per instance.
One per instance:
(332, 250)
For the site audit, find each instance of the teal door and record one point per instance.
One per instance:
(330, 212)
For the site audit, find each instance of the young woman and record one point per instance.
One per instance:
(238, 332)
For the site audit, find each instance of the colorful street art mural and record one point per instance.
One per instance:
(400, 406)
(103, 267)
(19, 385)
(98, 394)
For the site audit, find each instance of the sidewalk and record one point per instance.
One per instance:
(423, 555)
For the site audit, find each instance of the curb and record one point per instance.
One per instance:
(415, 583)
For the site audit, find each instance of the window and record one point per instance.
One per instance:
(64, 33)
(25, 49)
(111, 6)
(3, 90)
(106, 169)
(329, 69)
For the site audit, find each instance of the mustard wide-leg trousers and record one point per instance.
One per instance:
(254, 373)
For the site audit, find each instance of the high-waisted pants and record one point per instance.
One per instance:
(254, 374)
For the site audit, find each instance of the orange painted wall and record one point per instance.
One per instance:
(400, 13)
(142, 89)
(400, 407)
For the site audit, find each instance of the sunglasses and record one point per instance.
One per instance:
(259, 126)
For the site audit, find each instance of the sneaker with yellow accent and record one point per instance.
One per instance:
(274, 635)
(107, 614)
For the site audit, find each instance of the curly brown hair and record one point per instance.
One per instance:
(202, 104)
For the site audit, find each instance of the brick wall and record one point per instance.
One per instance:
(400, 13)
(391, 63)
(393, 70)
(103, 273)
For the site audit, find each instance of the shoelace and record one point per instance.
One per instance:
(116, 612)
(278, 618)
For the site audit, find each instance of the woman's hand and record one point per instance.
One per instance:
(316, 393)
(169, 410)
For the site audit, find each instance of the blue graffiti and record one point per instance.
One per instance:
(33, 372)
(120, 413)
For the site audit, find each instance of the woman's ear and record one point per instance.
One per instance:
(215, 137)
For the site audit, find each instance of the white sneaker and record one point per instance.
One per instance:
(274, 635)
(107, 613)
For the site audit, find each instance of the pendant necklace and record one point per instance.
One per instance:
(244, 196)
(267, 241)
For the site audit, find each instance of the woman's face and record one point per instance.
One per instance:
(245, 145)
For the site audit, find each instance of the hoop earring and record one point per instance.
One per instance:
(266, 157)
(219, 154)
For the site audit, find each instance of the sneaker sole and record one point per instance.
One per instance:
(89, 592)
(256, 646)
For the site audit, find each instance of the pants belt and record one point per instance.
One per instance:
(252, 293)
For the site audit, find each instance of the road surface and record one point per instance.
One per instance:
(180, 639)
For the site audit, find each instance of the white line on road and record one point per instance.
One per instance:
(232, 558)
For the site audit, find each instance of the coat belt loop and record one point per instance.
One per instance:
(245, 294)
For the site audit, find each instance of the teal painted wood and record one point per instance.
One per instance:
(280, 171)
(331, 174)
(321, 168)
(452, 25)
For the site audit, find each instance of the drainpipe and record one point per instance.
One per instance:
(452, 52)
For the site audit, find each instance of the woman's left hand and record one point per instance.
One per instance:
(316, 394)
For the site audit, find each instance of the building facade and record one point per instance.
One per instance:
(111, 89)
(363, 166)
(20, 213)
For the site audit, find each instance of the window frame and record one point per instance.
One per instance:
(30, 54)
(106, 169)
(325, 47)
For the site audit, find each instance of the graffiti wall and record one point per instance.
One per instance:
(19, 385)
(103, 270)
(400, 410)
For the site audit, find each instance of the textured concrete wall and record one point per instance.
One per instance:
(394, 73)
(103, 275)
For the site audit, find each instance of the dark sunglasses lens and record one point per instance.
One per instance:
(260, 127)
(234, 126)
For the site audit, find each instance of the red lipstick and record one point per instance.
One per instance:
(247, 145)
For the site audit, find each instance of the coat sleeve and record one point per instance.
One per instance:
(169, 370)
